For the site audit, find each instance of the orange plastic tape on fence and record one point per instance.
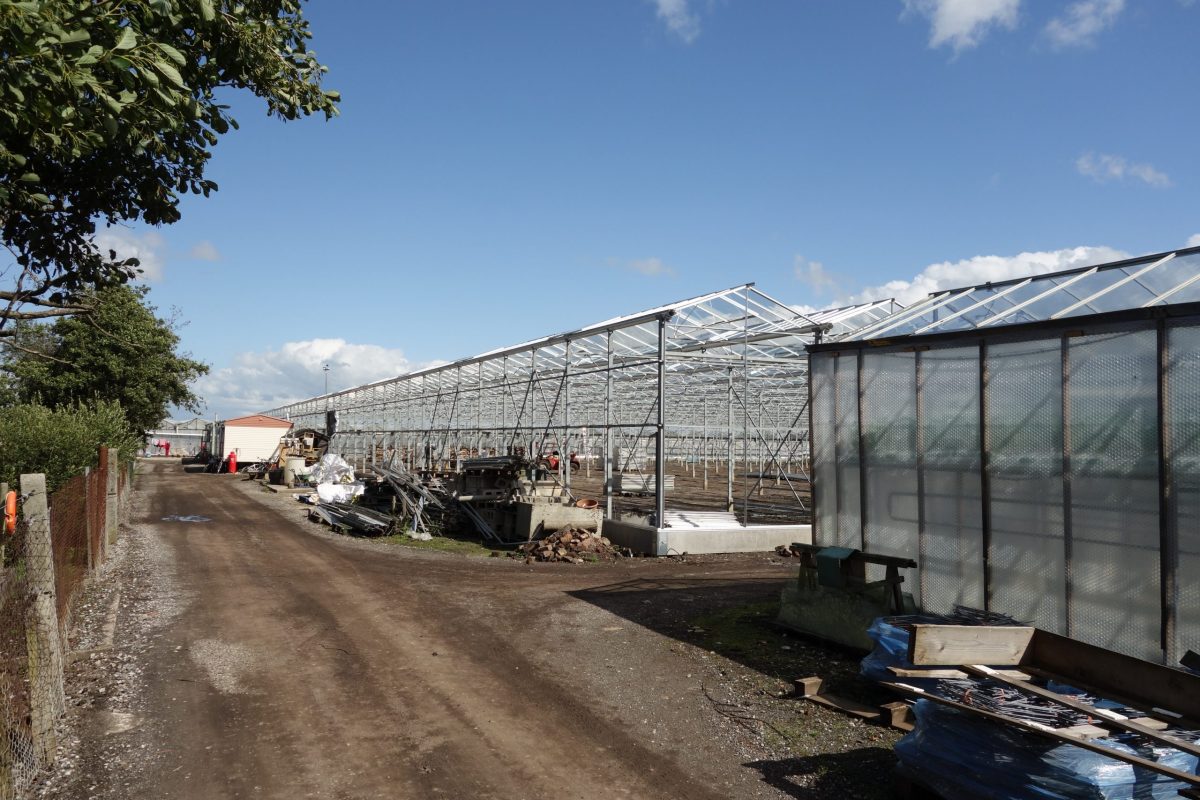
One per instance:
(10, 512)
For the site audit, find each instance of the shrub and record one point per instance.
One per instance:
(61, 442)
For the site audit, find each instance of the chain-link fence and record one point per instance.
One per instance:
(60, 538)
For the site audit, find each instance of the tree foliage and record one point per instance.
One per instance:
(108, 112)
(120, 352)
(61, 442)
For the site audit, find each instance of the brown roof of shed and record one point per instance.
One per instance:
(257, 421)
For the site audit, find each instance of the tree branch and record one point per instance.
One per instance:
(37, 353)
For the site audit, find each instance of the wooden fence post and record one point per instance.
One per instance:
(43, 640)
(111, 517)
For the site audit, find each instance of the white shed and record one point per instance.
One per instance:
(253, 438)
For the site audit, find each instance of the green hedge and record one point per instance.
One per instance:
(61, 442)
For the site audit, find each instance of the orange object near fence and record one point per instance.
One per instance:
(10, 513)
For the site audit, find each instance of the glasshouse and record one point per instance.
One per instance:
(1033, 444)
(719, 381)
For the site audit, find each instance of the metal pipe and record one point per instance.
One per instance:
(660, 453)
(608, 431)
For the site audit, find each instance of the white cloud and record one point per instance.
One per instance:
(148, 247)
(1103, 167)
(982, 269)
(814, 275)
(1083, 21)
(679, 18)
(961, 24)
(261, 380)
(650, 266)
(204, 251)
(1194, 240)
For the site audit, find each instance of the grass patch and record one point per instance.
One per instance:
(747, 634)
(442, 544)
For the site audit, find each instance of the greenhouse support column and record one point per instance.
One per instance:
(660, 464)
(985, 481)
(704, 440)
(729, 439)
(919, 381)
(1067, 475)
(1168, 520)
(565, 454)
(608, 440)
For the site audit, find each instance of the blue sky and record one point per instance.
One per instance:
(503, 171)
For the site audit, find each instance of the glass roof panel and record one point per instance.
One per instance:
(1150, 280)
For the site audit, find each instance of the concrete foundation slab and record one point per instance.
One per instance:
(718, 539)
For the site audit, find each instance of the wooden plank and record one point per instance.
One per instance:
(952, 645)
(899, 715)
(1103, 716)
(954, 674)
(1051, 733)
(810, 689)
(1112, 675)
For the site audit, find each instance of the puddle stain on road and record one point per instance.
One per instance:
(186, 518)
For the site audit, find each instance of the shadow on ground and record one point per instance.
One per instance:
(736, 619)
(851, 774)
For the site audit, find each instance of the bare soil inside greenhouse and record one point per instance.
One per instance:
(258, 655)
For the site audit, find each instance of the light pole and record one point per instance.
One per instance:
(326, 368)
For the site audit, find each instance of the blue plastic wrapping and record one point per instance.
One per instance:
(959, 755)
(891, 646)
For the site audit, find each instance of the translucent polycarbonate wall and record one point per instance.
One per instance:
(1026, 550)
(890, 449)
(849, 475)
(1183, 425)
(952, 498)
(1053, 476)
(1113, 407)
(824, 459)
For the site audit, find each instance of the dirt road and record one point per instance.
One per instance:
(266, 659)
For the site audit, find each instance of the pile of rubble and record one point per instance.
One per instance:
(572, 546)
(789, 551)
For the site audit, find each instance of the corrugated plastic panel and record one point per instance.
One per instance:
(951, 561)
(1183, 376)
(1113, 390)
(824, 465)
(1024, 418)
(849, 478)
(890, 420)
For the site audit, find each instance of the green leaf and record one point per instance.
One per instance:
(17, 93)
(40, 198)
(120, 62)
(30, 177)
(206, 11)
(128, 39)
(169, 72)
(75, 36)
(173, 54)
(113, 104)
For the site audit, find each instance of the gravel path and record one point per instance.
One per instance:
(258, 655)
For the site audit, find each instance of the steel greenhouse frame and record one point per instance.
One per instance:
(716, 380)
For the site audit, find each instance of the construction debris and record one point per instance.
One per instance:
(572, 546)
(415, 499)
(345, 517)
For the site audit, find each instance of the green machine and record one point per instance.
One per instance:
(832, 599)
